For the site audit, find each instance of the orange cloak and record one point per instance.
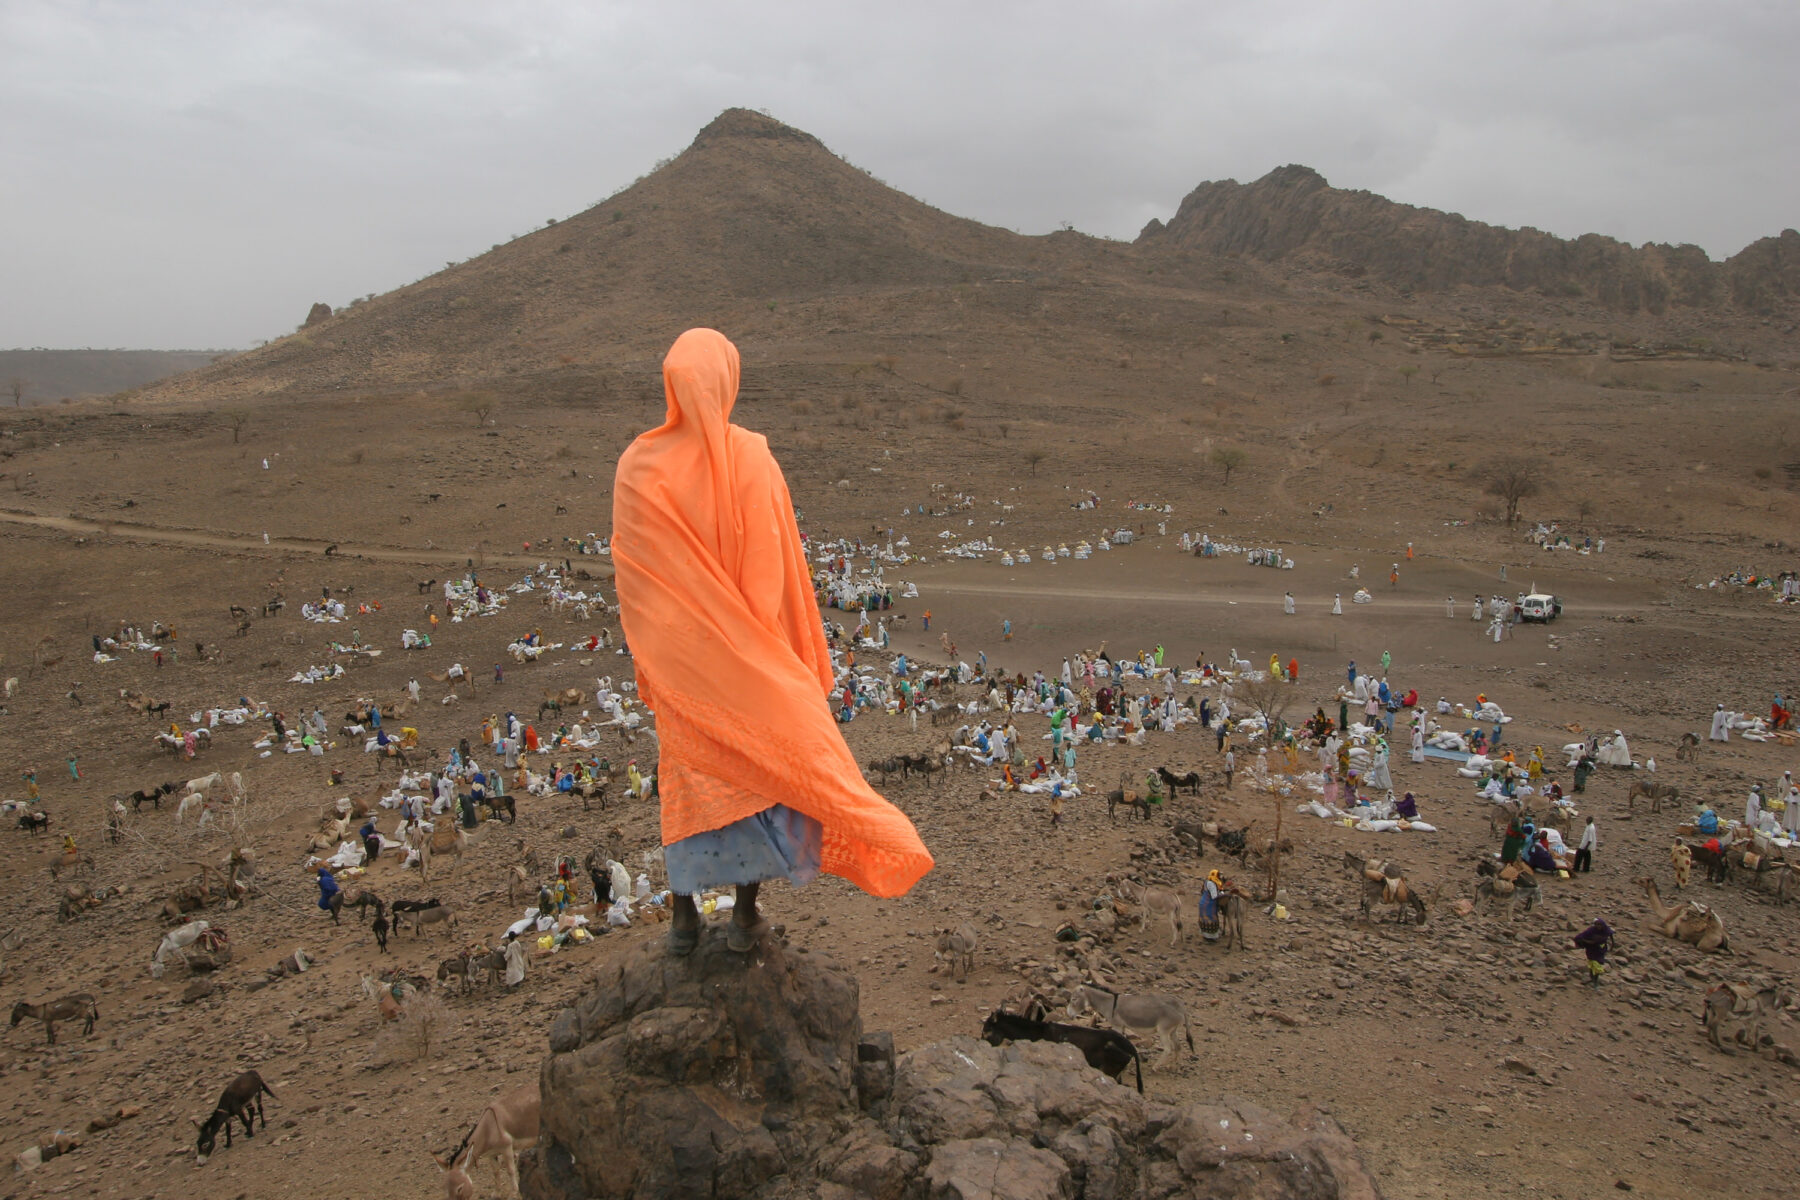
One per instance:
(718, 611)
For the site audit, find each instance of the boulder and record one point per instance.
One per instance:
(317, 314)
(700, 1076)
(734, 1077)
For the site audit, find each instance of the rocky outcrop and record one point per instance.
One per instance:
(1292, 215)
(729, 1079)
(318, 314)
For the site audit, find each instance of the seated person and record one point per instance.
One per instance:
(1407, 808)
(1539, 857)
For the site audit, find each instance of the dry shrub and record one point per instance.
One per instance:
(953, 414)
(1327, 380)
(958, 424)
(1763, 473)
(887, 362)
(356, 457)
(424, 1025)
(955, 386)
(800, 407)
(565, 451)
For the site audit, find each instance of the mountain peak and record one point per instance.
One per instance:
(738, 123)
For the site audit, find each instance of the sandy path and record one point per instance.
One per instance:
(131, 532)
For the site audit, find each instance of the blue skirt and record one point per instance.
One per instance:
(776, 843)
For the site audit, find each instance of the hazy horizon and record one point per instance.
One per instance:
(200, 176)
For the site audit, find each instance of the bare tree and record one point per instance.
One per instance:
(479, 403)
(17, 387)
(1228, 459)
(236, 418)
(1512, 478)
(1584, 511)
(1407, 372)
(1033, 458)
(1269, 698)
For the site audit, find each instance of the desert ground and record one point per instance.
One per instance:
(1469, 1048)
(418, 438)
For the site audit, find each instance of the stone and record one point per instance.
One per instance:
(726, 1077)
(1235, 1149)
(699, 1076)
(318, 314)
(992, 1169)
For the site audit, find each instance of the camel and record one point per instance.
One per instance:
(1695, 924)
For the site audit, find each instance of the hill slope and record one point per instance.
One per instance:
(819, 269)
(1293, 215)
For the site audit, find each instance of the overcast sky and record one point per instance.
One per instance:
(196, 174)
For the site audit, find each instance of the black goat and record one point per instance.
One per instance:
(401, 906)
(241, 1098)
(381, 926)
(34, 821)
(1106, 1050)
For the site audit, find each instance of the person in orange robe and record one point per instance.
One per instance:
(716, 602)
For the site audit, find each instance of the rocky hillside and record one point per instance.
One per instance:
(820, 272)
(752, 219)
(1292, 215)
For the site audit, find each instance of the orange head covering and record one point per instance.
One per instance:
(718, 609)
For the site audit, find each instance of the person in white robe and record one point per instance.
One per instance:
(1753, 807)
(515, 962)
(1615, 752)
(1377, 777)
(1287, 603)
(1418, 742)
(1721, 724)
(1790, 817)
(1337, 605)
(1450, 607)
(1475, 612)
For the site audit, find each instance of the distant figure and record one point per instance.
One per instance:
(1450, 607)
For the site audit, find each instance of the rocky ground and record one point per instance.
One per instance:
(1469, 1048)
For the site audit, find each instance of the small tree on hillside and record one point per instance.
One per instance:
(1270, 698)
(16, 388)
(1033, 458)
(1228, 459)
(481, 404)
(1512, 478)
(236, 419)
